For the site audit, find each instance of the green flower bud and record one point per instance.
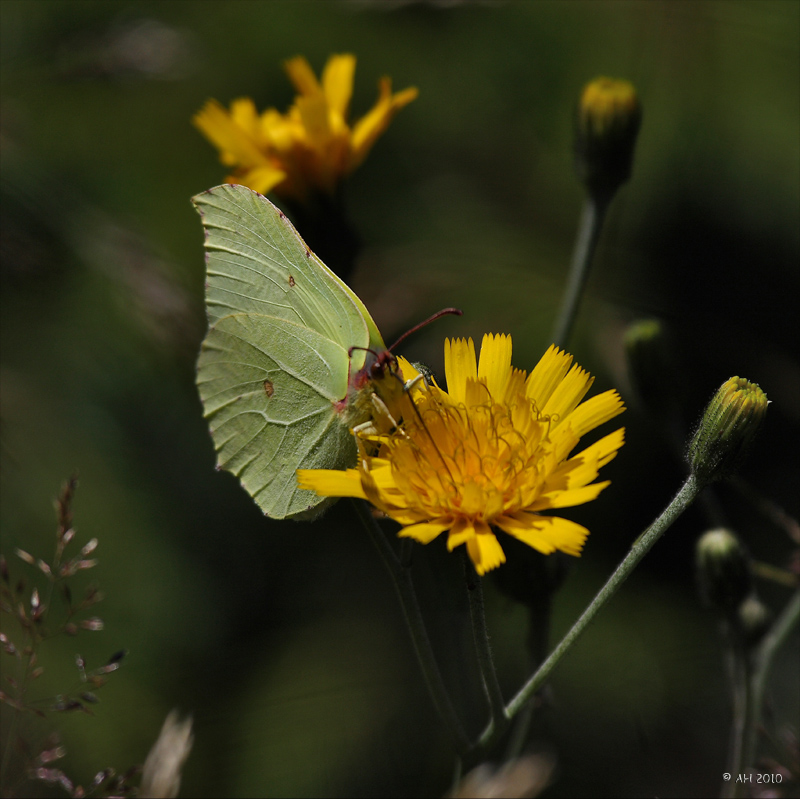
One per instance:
(723, 569)
(651, 366)
(727, 428)
(754, 619)
(608, 121)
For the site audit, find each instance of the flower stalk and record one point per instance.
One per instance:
(591, 224)
(643, 544)
(401, 578)
(606, 126)
(760, 664)
(491, 686)
(740, 677)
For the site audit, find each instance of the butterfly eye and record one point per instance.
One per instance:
(385, 360)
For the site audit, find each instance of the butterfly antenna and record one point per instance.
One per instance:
(437, 315)
(363, 349)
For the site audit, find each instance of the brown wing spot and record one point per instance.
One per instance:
(269, 389)
(291, 280)
(308, 253)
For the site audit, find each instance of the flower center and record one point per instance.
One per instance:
(475, 460)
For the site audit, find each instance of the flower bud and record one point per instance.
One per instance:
(754, 619)
(723, 569)
(608, 121)
(651, 365)
(727, 428)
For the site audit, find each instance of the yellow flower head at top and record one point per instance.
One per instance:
(608, 121)
(493, 452)
(311, 147)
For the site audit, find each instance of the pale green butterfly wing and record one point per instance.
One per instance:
(267, 387)
(275, 360)
(257, 262)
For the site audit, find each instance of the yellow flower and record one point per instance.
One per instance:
(493, 453)
(608, 106)
(311, 147)
(608, 121)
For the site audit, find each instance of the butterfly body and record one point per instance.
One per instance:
(286, 367)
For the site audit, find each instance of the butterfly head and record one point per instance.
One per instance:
(379, 375)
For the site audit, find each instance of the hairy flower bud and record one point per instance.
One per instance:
(723, 569)
(727, 428)
(607, 124)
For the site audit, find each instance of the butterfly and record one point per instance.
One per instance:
(292, 357)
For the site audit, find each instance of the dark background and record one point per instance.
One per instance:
(285, 640)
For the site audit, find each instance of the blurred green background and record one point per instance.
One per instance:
(285, 640)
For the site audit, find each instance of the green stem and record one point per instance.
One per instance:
(592, 217)
(761, 665)
(538, 637)
(401, 577)
(480, 631)
(739, 665)
(685, 496)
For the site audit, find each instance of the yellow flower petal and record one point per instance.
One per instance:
(425, 532)
(380, 499)
(234, 142)
(494, 367)
(279, 133)
(245, 116)
(372, 125)
(515, 387)
(407, 370)
(331, 482)
(605, 450)
(382, 474)
(337, 82)
(316, 122)
(459, 366)
(261, 179)
(569, 497)
(596, 411)
(547, 374)
(302, 76)
(485, 553)
(409, 517)
(583, 467)
(563, 440)
(476, 394)
(461, 532)
(545, 533)
(569, 392)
